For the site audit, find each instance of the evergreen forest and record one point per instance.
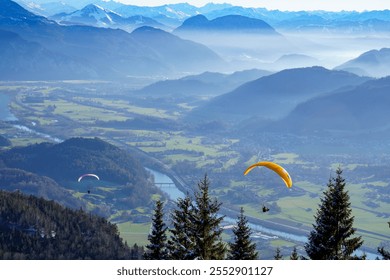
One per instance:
(34, 228)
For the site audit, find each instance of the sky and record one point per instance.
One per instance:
(291, 5)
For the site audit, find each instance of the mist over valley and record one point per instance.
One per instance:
(187, 91)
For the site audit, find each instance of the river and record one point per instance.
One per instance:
(39, 134)
(174, 193)
(5, 113)
(167, 186)
(162, 181)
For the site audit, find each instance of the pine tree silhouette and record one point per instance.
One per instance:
(157, 247)
(242, 248)
(331, 238)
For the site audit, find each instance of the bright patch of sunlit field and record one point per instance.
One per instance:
(134, 233)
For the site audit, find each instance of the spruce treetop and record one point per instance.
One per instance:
(331, 237)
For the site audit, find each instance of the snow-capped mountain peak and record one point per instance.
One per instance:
(91, 14)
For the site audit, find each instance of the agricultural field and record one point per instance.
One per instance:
(62, 110)
(134, 233)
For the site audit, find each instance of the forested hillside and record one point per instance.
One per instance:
(34, 228)
(4, 141)
(12, 179)
(74, 157)
(51, 171)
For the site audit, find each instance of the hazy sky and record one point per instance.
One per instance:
(330, 5)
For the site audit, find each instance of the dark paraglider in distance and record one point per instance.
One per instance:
(265, 209)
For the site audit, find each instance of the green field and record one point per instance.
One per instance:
(134, 233)
(64, 113)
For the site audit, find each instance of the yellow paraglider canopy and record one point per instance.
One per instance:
(276, 168)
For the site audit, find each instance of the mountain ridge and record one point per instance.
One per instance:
(174, 14)
(14, 179)
(361, 109)
(374, 63)
(204, 84)
(71, 158)
(109, 53)
(52, 170)
(228, 23)
(97, 16)
(273, 96)
(24, 60)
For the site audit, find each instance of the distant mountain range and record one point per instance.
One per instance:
(274, 96)
(228, 23)
(295, 61)
(174, 14)
(347, 115)
(28, 60)
(215, 38)
(205, 84)
(97, 16)
(243, 40)
(100, 52)
(374, 63)
(179, 54)
(336, 22)
(170, 15)
(47, 9)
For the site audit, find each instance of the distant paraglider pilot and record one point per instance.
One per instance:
(265, 209)
(88, 175)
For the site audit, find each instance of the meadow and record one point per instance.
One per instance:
(84, 109)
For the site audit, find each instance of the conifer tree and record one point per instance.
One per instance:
(331, 238)
(294, 254)
(206, 222)
(182, 241)
(278, 255)
(242, 248)
(157, 247)
(137, 252)
(384, 253)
